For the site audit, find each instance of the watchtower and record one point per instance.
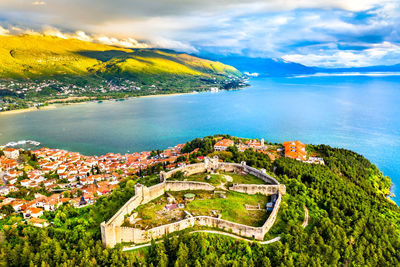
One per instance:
(211, 164)
(163, 176)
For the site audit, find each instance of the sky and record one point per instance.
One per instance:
(324, 33)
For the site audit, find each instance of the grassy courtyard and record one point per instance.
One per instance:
(244, 179)
(232, 208)
(230, 205)
(213, 179)
(218, 178)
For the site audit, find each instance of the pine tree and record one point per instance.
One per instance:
(182, 255)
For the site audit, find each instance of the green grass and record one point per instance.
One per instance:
(244, 179)
(231, 208)
(149, 180)
(216, 179)
(150, 214)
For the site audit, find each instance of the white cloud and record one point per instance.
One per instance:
(128, 42)
(307, 31)
(80, 35)
(347, 59)
(4, 31)
(337, 58)
(38, 3)
(171, 44)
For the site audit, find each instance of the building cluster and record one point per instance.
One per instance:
(223, 145)
(31, 93)
(72, 177)
(59, 89)
(80, 180)
(291, 149)
(254, 144)
(65, 88)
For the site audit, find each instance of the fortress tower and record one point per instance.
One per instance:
(211, 164)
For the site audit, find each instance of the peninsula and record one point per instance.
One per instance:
(231, 199)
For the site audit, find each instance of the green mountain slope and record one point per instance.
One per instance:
(32, 56)
(35, 69)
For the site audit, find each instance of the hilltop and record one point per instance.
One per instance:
(332, 214)
(36, 68)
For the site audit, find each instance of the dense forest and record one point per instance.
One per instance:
(352, 222)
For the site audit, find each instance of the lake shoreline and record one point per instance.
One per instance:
(314, 110)
(61, 103)
(24, 110)
(174, 94)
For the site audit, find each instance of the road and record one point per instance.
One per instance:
(210, 232)
(139, 246)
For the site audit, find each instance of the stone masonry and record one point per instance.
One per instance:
(113, 233)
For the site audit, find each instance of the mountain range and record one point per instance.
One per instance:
(36, 56)
(264, 66)
(279, 67)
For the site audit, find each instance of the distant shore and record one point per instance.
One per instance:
(74, 100)
(56, 102)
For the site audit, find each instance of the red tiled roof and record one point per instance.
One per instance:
(295, 150)
(224, 143)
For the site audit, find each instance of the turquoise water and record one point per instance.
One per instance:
(358, 113)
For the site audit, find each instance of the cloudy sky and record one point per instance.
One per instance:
(328, 33)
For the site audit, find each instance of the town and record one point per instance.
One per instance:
(21, 94)
(43, 179)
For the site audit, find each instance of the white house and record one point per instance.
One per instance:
(223, 144)
(11, 153)
(33, 212)
(4, 190)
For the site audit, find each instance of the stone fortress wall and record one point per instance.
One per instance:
(113, 233)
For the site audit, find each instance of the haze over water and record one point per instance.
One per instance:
(359, 113)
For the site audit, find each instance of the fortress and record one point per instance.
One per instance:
(112, 231)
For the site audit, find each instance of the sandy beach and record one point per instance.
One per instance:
(175, 94)
(71, 98)
(17, 111)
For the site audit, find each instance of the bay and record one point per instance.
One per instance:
(361, 113)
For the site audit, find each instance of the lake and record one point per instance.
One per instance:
(360, 113)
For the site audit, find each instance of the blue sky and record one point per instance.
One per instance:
(326, 33)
